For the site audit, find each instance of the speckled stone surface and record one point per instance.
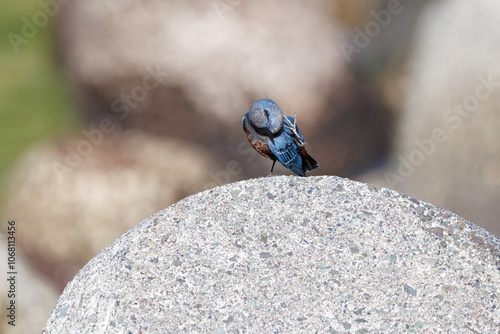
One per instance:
(286, 254)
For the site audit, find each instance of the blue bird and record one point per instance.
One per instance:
(277, 137)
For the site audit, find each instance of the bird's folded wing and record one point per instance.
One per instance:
(287, 152)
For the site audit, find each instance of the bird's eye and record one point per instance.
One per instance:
(266, 112)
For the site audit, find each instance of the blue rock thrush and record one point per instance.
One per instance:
(277, 137)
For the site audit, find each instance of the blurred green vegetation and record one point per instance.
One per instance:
(35, 102)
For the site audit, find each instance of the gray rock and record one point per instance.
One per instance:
(192, 69)
(331, 255)
(447, 146)
(72, 212)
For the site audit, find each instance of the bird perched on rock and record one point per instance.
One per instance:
(277, 137)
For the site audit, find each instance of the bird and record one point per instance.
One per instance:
(277, 137)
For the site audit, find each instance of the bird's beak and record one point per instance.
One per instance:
(272, 128)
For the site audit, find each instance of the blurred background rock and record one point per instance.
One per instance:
(112, 110)
(35, 298)
(447, 145)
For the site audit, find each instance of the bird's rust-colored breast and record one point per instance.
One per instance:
(258, 145)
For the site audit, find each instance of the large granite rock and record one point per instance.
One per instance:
(290, 254)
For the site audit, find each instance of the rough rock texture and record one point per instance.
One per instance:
(289, 254)
(448, 144)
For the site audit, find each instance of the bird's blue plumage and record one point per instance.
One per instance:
(287, 152)
(277, 137)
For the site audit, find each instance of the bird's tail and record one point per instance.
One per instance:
(310, 163)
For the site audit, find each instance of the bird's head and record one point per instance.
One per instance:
(266, 117)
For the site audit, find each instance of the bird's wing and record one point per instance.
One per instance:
(286, 151)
